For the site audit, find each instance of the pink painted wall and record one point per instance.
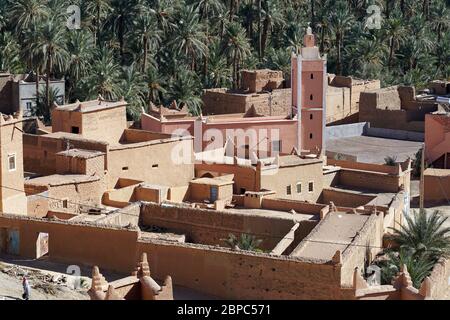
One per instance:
(267, 129)
(437, 136)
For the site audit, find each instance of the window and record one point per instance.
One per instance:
(310, 116)
(299, 187)
(276, 146)
(288, 190)
(12, 162)
(124, 168)
(242, 191)
(76, 130)
(65, 203)
(155, 166)
(45, 153)
(310, 135)
(311, 186)
(311, 97)
(29, 105)
(312, 76)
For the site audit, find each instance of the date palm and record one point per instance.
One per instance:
(341, 20)
(424, 235)
(148, 36)
(80, 46)
(190, 38)
(26, 14)
(396, 33)
(50, 43)
(104, 77)
(156, 85)
(98, 11)
(236, 48)
(185, 90)
(133, 89)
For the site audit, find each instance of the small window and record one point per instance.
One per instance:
(29, 105)
(288, 190)
(155, 166)
(311, 186)
(312, 76)
(76, 130)
(243, 190)
(311, 97)
(124, 168)
(45, 153)
(65, 203)
(299, 187)
(12, 162)
(310, 136)
(310, 116)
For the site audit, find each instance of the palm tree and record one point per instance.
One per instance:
(148, 35)
(418, 268)
(440, 21)
(26, 14)
(80, 46)
(236, 48)
(133, 89)
(51, 43)
(424, 235)
(185, 90)
(340, 21)
(120, 21)
(396, 33)
(244, 242)
(190, 39)
(272, 16)
(155, 85)
(10, 59)
(103, 78)
(98, 10)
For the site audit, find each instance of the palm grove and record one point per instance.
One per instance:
(166, 50)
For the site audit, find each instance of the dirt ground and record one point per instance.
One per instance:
(45, 285)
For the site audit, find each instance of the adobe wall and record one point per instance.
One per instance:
(263, 79)
(288, 205)
(440, 279)
(220, 101)
(344, 199)
(211, 270)
(12, 196)
(154, 163)
(102, 125)
(211, 227)
(364, 247)
(77, 243)
(6, 103)
(244, 177)
(38, 204)
(436, 188)
(369, 180)
(241, 275)
(291, 176)
(338, 104)
(40, 151)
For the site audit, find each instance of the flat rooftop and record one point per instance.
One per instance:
(274, 214)
(90, 106)
(59, 180)
(335, 232)
(373, 149)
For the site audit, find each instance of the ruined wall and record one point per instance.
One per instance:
(394, 108)
(259, 80)
(6, 105)
(211, 227)
(221, 101)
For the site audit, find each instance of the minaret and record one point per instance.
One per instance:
(309, 85)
